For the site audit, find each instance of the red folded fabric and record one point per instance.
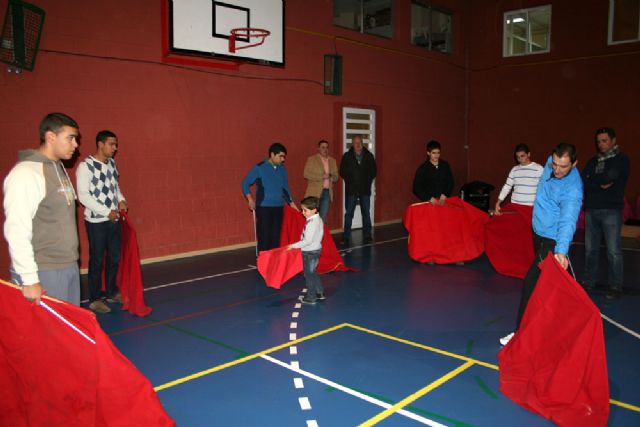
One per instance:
(555, 365)
(292, 226)
(279, 265)
(444, 234)
(509, 240)
(129, 274)
(50, 375)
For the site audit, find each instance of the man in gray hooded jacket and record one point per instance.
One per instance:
(40, 212)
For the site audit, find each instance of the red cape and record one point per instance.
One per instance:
(50, 375)
(509, 240)
(292, 226)
(556, 365)
(444, 234)
(279, 265)
(129, 274)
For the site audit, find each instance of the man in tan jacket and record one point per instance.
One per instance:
(321, 171)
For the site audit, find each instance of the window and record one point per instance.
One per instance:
(365, 16)
(430, 27)
(624, 21)
(527, 31)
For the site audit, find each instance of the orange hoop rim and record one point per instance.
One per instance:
(250, 32)
(247, 33)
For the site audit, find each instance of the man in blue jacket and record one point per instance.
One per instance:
(555, 213)
(272, 190)
(605, 177)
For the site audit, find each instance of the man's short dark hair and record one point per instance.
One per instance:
(521, 148)
(609, 131)
(103, 135)
(323, 141)
(53, 122)
(277, 148)
(433, 145)
(564, 149)
(310, 202)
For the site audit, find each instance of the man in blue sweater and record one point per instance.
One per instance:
(605, 177)
(272, 190)
(555, 213)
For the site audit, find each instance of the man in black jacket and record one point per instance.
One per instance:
(433, 181)
(358, 169)
(605, 177)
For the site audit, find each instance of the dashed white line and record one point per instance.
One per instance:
(298, 383)
(293, 325)
(298, 305)
(305, 405)
(295, 364)
(312, 423)
(295, 314)
(293, 350)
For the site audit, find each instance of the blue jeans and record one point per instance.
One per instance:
(310, 261)
(607, 223)
(104, 246)
(350, 207)
(325, 201)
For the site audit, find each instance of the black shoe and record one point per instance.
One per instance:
(305, 300)
(614, 293)
(367, 240)
(321, 297)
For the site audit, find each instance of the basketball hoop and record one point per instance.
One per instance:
(245, 34)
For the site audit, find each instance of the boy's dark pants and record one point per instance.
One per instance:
(310, 261)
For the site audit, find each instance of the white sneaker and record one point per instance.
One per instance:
(505, 340)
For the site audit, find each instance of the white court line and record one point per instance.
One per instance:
(354, 393)
(298, 383)
(293, 337)
(295, 314)
(349, 249)
(293, 350)
(293, 325)
(312, 423)
(251, 267)
(618, 325)
(305, 405)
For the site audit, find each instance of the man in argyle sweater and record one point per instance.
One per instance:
(99, 193)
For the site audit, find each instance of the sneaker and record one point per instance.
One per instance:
(306, 300)
(614, 293)
(505, 340)
(115, 298)
(98, 306)
(321, 296)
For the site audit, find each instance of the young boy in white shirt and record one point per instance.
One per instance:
(311, 245)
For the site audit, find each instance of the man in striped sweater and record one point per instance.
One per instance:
(523, 179)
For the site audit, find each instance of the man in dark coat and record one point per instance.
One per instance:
(433, 181)
(358, 169)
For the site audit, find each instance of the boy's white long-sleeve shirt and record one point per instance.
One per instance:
(312, 234)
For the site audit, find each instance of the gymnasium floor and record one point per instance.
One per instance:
(222, 349)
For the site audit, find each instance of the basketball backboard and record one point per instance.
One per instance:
(203, 28)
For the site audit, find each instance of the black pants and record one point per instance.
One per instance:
(542, 246)
(269, 223)
(104, 246)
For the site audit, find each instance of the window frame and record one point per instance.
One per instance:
(610, 41)
(430, 7)
(527, 11)
(361, 25)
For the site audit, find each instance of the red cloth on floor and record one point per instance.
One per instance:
(278, 265)
(509, 240)
(50, 375)
(444, 234)
(292, 226)
(556, 365)
(129, 274)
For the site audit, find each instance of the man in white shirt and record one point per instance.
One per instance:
(523, 179)
(99, 192)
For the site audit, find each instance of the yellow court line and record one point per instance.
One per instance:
(417, 395)
(422, 346)
(625, 405)
(245, 359)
